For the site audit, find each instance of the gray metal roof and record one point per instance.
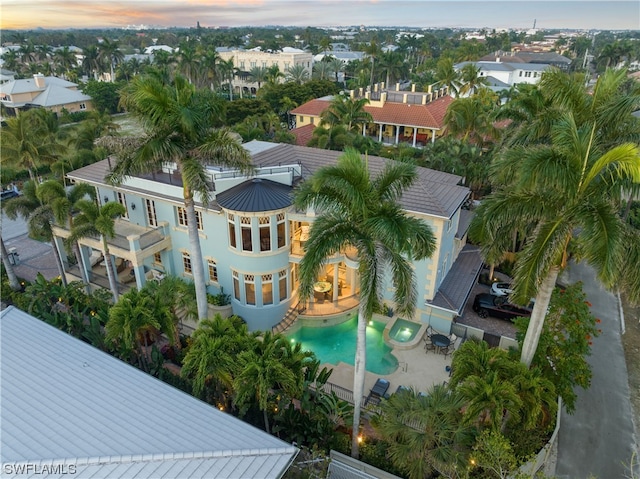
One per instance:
(66, 402)
(457, 285)
(256, 195)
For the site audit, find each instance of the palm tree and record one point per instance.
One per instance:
(95, 220)
(470, 79)
(131, 320)
(26, 143)
(373, 51)
(425, 432)
(393, 66)
(274, 74)
(347, 111)
(65, 59)
(567, 188)
(111, 55)
(179, 120)
(258, 75)
(92, 63)
(62, 203)
(322, 70)
(188, 61)
(39, 216)
(447, 75)
(297, 74)
(358, 211)
(471, 119)
(336, 66)
(261, 373)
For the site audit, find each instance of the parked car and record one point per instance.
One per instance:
(501, 289)
(497, 306)
(6, 194)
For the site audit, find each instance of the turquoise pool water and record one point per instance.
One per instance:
(404, 331)
(333, 344)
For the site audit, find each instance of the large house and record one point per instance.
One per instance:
(51, 93)
(252, 238)
(398, 116)
(246, 60)
(71, 410)
(501, 74)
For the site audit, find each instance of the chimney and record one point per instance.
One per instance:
(39, 79)
(398, 86)
(383, 97)
(413, 88)
(404, 98)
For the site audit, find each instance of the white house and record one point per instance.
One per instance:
(505, 73)
(71, 410)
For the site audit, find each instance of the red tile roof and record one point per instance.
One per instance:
(430, 115)
(303, 134)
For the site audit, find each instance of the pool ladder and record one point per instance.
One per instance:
(403, 366)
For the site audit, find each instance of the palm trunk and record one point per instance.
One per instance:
(492, 268)
(8, 267)
(58, 254)
(195, 253)
(81, 266)
(543, 298)
(358, 381)
(110, 271)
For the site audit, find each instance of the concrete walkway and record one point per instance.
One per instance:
(598, 439)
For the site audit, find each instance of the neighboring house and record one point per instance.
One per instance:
(552, 59)
(398, 116)
(246, 60)
(151, 49)
(500, 73)
(69, 409)
(252, 238)
(51, 93)
(342, 55)
(7, 75)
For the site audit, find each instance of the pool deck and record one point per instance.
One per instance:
(417, 368)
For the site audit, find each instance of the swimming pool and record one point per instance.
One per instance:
(334, 344)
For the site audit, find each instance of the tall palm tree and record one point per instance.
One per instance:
(470, 79)
(471, 119)
(566, 187)
(322, 70)
(110, 54)
(65, 59)
(178, 120)
(62, 203)
(258, 75)
(393, 66)
(363, 212)
(447, 75)
(337, 66)
(99, 221)
(92, 63)
(39, 216)
(26, 143)
(373, 51)
(347, 111)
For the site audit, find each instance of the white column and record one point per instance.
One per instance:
(380, 133)
(397, 133)
(352, 280)
(433, 136)
(415, 135)
(335, 282)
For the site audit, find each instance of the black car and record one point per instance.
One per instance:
(498, 307)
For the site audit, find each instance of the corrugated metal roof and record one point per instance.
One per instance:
(256, 195)
(65, 402)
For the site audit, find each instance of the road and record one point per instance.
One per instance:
(598, 439)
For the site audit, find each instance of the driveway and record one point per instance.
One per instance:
(598, 439)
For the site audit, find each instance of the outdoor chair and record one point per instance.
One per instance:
(378, 391)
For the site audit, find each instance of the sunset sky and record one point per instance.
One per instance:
(580, 14)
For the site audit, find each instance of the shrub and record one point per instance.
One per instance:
(220, 299)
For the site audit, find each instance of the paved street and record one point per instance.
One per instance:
(598, 439)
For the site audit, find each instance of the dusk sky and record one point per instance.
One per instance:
(549, 14)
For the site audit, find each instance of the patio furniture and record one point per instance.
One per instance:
(428, 342)
(322, 286)
(441, 343)
(378, 391)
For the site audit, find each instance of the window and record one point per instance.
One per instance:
(281, 230)
(232, 230)
(122, 199)
(152, 220)
(186, 263)
(520, 74)
(213, 270)
(236, 285)
(253, 64)
(250, 288)
(242, 65)
(527, 74)
(267, 289)
(265, 233)
(245, 230)
(182, 217)
(283, 284)
(83, 106)
(286, 65)
(157, 258)
(264, 64)
(311, 120)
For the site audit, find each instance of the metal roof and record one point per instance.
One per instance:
(457, 285)
(255, 195)
(67, 403)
